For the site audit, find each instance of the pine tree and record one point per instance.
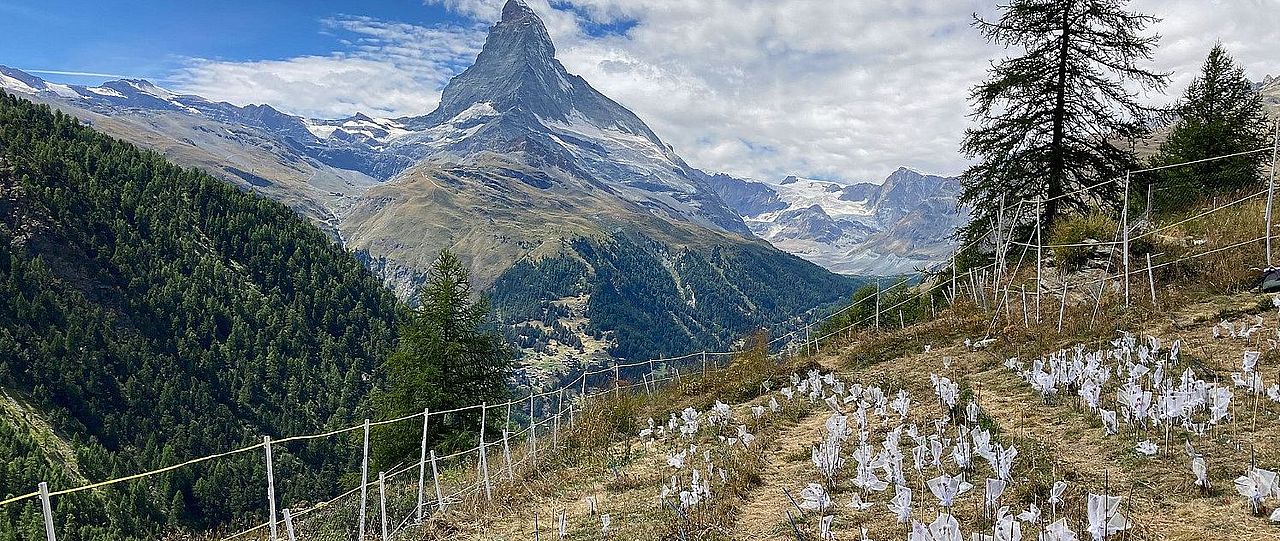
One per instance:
(1046, 120)
(449, 356)
(1219, 114)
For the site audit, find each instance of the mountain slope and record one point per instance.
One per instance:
(895, 227)
(526, 164)
(150, 313)
(521, 162)
(255, 147)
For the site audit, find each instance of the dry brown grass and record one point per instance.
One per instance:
(1057, 440)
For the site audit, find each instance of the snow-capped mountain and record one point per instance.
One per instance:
(1269, 87)
(900, 225)
(518, 97)
(553, 194)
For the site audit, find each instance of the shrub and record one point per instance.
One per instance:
(1071, 231)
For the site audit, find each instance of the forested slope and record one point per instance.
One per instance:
(150, 313)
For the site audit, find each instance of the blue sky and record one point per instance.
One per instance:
(846, 90)
(154, 40)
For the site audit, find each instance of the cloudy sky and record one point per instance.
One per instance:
(839, 89)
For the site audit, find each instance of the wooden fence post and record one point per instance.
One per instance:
(422, 461)
(484, 454)
(47, 508)
(382, 503)
(435, 480)
(288, 525)
(271, 490)
(364, 480)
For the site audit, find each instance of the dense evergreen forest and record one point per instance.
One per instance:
(151, 314)
(691, 302)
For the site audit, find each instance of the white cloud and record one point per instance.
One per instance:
(1248, 29)
(848, 90)
(386, 68)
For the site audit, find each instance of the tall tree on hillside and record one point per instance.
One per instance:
(449, 356)
(1219, 114)
(1045, 121)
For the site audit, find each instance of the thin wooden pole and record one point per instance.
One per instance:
(1026, 320)
(435, 480)
(364, 480)
(533, 430)
(484, 454)
(877, 304)
(1271, 189)
(555, 430)
(1151, 280)
(1062, 310)
(47, 508)
(1124, 221)
(382, 503)
(955, 262)
(271, 490)
(1039, 259)
(422, 462)
(288, 525)
(506, 454)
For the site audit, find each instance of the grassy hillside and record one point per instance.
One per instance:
(606, 467)
(150, 313)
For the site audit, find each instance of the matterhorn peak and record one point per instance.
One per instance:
(516, 10)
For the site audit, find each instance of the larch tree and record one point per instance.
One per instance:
(449, 356)
(1047, 122)
(1220, 114)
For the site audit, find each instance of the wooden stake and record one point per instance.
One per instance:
(47, 508)
(364, 480)
(271, 490)
(422, 462)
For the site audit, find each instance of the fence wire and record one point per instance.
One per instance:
(1180, 204)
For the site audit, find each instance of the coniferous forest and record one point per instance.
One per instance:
(151, 313)
(154, 313)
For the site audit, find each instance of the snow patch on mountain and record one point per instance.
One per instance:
(899, 226)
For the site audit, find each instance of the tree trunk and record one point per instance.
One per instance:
(1057, 164)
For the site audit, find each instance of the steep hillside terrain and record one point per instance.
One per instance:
(999, 416)
(150, 313)
(520, 162)
(764, 491)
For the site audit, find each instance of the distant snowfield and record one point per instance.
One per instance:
(900, 226)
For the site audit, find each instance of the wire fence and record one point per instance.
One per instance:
(387, 504)
(1193, 210)
(390, 504)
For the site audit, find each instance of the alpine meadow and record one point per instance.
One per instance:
(500, 270)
